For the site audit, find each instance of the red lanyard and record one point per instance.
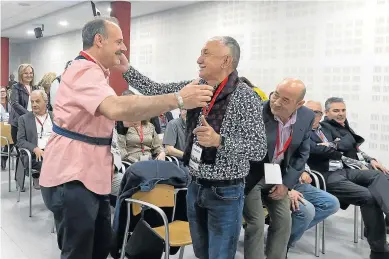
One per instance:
(286, 145)
(87, 57)
(141, 136)
(42, 123)
(219, 89)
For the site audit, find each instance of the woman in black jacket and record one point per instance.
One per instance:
(20, 97)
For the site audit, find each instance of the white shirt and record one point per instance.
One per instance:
(43, 136)
(4, 115)
(53, 91)
(29, 108)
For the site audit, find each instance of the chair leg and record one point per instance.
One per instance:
(317, 240)
(323, 248)
(53, 228)
(356, 219)
(362, 229)
(182, 249)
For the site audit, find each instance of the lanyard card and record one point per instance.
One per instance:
(195, 157)
(273, 174)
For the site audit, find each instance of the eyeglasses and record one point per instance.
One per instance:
(318, 113)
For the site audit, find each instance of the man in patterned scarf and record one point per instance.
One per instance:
(221, 139)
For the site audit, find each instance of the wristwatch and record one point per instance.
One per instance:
(222, 141)
(180, 101)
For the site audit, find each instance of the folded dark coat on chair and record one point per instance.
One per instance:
(143, 176)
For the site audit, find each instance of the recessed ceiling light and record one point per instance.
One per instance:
(109, 9)
(63, 23)
(30, 32)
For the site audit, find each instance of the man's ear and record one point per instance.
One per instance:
(300, 103)
(227, 61)
(98, 40)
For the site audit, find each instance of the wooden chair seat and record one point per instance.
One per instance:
(179, 233)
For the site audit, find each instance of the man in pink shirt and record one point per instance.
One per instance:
(77, 169)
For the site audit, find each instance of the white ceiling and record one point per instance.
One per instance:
(18, 17)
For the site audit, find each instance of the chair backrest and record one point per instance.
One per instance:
(161, 196)
(5, 130)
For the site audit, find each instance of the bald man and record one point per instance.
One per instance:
(288, 127)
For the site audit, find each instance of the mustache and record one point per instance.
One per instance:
(119, 52)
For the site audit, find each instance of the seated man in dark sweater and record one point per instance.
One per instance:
(334, 152)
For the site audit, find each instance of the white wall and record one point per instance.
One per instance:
(46, 54)
(337, 48)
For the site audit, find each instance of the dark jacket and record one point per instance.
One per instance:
(157, 125)
(347, 141)
(295, 156)
(320, 155)
(19, 102)
(27, 133)
(143, 176)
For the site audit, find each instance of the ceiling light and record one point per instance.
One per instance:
(30, 32)
(109, 9)
(63, 23)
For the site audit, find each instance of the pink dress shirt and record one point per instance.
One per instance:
(286, 131)
(84, 85)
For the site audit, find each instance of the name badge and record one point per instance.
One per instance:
(273, 174)
(195, 157)
(144, 158)
(360, 157)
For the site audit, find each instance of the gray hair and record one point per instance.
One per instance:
(93, 27)
(234, 47)
(42, 93)
(332, 100)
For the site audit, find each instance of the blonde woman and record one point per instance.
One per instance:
(20, 97)
(45, 84)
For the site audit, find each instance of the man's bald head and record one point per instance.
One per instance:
(287, 98)
(294, 85)
(317, 108)
(313, 105)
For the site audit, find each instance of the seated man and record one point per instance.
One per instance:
(310, 205)
(334, 147)
(34, 130)
(174, 138)
(288, 128)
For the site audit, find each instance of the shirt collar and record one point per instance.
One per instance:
(105, 70)
(291, 121)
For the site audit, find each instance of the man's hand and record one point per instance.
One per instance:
(161, 156)
(305, 178)
(324, 144)
(195, 95)
(38, 153)
(378, 166)
(123, 67)
(278, 192)
(295, 197)
(206, 135)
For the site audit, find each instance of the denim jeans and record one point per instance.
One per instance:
(318, 206)
(215, 219)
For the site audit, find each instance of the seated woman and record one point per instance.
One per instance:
(138, 141)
